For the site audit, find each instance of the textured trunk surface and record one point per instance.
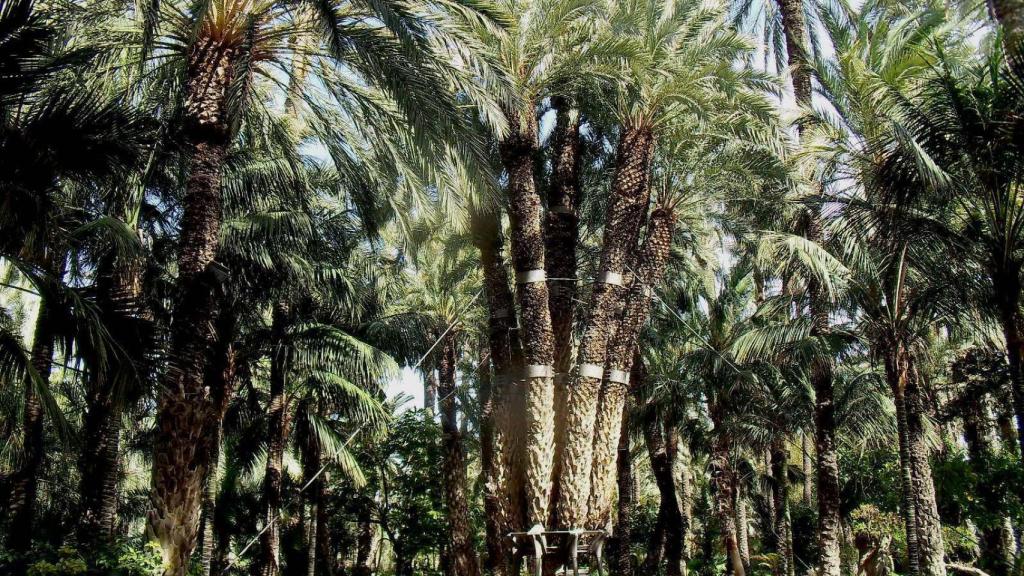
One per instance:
(503, 489)
(1008, 295)
(626, 209)
(209, 509)
(463, 555)
(996, 540)
(493, 509)
(661, 454)
(364, 545)
(723, 483)
(118, 296)
(430, 393)
(517, 152)
(896, 374)
(561, 234)
(278, 424)
(655, 545)
(929, 525)
(621, 556)
(829, 533)
(780, 497)
(621, 356)
(742, 527)
(24, 483)
(186, 412)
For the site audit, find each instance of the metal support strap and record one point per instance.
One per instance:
(538, 371)
(531, 276)
(618, 376)
(594, 371)
(609, 277)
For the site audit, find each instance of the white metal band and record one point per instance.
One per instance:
(538, 371)
(531, 276)
(618, 376)
(594, 371)
(609, 277)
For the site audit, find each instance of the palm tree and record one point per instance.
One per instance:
(678, 66)
(47, 123)
(220, 50)
(536, 55)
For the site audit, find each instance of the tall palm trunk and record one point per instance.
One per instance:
(997, 539)
(312, 459)
(430, 393)
(621, 557)
(896, 374)
(655, 544)
(364, 544)
(780, 497)
(742, 526)
(222, 374)
(24, 483)
(517, 153)
(278, 424)
(929, 525)
(723, 481)
(830, 564)
(503, 489)
(561, 235)
(622, 355)
(464, 558)
(669, 509)
(1008, 289)
(186, 412)
(626, 209)
(118, 294)
(807, 463)
(492, 508)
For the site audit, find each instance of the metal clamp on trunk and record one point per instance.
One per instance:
(594, 371)
(618, 376)
(609, 277)
(538, 371)
(531, 276)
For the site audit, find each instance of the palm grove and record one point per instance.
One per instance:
(739, 284)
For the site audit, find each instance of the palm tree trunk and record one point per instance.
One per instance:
(1010, 16)
(325, 556)
(830, 564)
(624, 216)
(1008, 295)
(621, 356)
(118, 295)
(669, 509)
(929, 525)
(464, 558)
(742, 526)
(24, 483)
(621, 557)
(723, 481)
(505, 474)
(430, 393)
(561, 235)
(493, 509)
(364, 545)
(209, 507)
(996, 540)
(807, 466)
(896, 374)
(655, 543)
(780, 495)
(278, 424)
(186, 412)
(517, 152)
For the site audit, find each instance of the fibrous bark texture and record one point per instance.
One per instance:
(626, 209)
(186, 412)
(517, 153)
(651, 269)
(463, 556)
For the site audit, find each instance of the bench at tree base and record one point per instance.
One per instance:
(568, 546)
